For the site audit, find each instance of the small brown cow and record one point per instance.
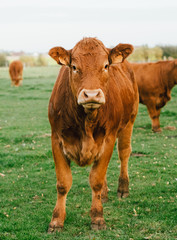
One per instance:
(94, 101)
(16, 73)
(155, 81)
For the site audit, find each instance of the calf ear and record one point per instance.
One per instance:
(119, 53)
(60, 55)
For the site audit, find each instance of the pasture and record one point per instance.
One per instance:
(27, 174)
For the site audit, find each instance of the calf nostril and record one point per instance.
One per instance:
(85, 95)
(98, 94)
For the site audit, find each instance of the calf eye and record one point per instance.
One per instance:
(74, 68)
(106, 66)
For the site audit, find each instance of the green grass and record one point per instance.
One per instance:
(28, 186)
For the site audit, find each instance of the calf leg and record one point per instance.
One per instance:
(154, 115)
(20, 83)
(124, 150)
(104, 191)
(97, 181)
(64, 182)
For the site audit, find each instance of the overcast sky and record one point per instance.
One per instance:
(38, 25)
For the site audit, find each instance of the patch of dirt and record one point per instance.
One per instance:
(172, 128)
(139, 154)
(45, 135)
(175, 136)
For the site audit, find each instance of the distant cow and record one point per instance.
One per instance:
(16, 73)
(155, 81)
(94, 101)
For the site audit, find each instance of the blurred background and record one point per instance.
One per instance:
(30, 28)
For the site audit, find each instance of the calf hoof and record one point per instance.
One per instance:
(123, 190)
(157, 130)
(54, 229)
(98, 224)
(122, 194)
(54, 226)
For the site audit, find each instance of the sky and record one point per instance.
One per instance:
(38, 25)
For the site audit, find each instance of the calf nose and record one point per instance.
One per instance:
(92, 98)
(92, 94)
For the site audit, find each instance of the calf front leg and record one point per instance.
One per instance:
(64, 182)
(104, 191)
(124, 150)
(97, 181)
(123, 188)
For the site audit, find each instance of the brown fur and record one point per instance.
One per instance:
(88, 136)
(155, 81)
(16, 73)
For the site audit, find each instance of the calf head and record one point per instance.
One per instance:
(89, 63)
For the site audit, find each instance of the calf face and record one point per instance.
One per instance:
(89, 63)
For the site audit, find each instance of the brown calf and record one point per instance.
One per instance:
(155, 81)
(94, 101)
(16, 73)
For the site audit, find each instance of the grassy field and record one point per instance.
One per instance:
(27, 174)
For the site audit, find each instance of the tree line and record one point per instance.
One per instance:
(140, 54)
(27, 60)
(146, 54)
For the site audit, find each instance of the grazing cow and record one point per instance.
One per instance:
(94, 101)
(155, 81)
(16, 73)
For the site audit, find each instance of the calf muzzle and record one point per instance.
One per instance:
(91, 99)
